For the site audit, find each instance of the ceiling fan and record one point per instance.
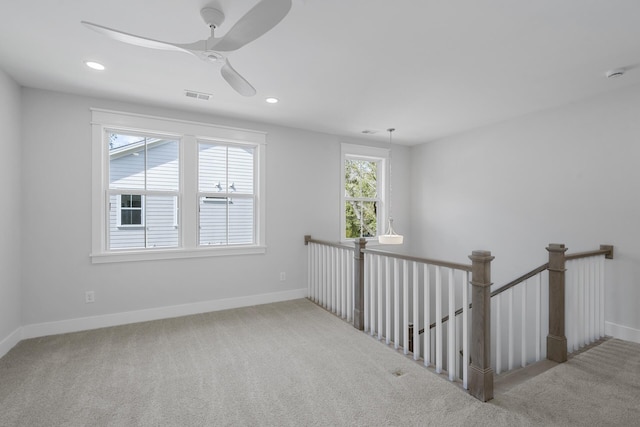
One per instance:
(261, 18)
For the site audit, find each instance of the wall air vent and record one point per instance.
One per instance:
(197, 95)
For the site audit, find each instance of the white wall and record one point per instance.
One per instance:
(569, 175)
(10, 217)
(302, 198)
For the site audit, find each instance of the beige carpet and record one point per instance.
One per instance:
(282, 364)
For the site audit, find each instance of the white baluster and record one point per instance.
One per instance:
(405, 305)
(329, 280)
(344, 284)
(349, 279)
(416, 312)
(498, 310)
(312, 295)
(367, 284)
(336, 280)
(602, 285)
(309, 269)
(588, 303)
(332, 279)
(372, 295)
(576, 303)
(379, 265)
(322, 281)
(465, 329)
(396, 304)
(538, 293)
(581, 307)
(568, 305)
(427, 316)
(594, 302)
(438, 319)
(388, 298)
(510, 326)
(523, 323)
(451, 329)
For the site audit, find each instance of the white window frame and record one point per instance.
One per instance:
(229, 195)
(187, 133)
(364, 152)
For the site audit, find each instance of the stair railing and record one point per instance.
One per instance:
(390, 295)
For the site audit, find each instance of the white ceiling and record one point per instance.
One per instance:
(429, 68)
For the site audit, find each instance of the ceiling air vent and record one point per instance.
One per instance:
(197, 95)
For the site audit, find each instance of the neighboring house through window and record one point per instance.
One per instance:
(364, 189)
(144, 183)
(159, 191)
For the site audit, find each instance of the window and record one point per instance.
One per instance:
(144, 182)
(166, 188)
(130, 212)
(363, 191)
(226, 194)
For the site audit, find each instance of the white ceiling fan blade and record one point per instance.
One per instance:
(133, 39)
(236, 81)
(260, 19)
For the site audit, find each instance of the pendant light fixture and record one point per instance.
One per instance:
(390, 237)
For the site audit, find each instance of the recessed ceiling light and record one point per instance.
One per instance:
(272, 100)
(94, 65)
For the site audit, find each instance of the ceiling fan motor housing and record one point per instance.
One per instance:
(213, 17)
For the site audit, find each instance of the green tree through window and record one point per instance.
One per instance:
(361, 198)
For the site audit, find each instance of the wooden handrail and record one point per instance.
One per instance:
(308, 239)
(453, 265)
(605, 250)
(520, 279)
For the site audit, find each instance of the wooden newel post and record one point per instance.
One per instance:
(556, 340)
(358, 282)
(480, 371)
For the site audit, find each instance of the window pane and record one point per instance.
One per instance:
(162, 165)
(240, 221)
(360, 178)
(212, 169)
(361, 219)
(161, 223)
(126, 161)
(241, 170)
(124, 237)
(130, 217)
(213, 221)
(139, 162)
(135, 200)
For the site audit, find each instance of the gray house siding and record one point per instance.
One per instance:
(234, 193)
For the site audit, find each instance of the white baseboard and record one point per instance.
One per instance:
(95, 322)
(10, 341)
(623, 332)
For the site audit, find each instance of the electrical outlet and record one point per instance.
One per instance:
(89, 297)
(283, 276)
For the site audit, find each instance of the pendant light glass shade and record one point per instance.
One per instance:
(390, 237)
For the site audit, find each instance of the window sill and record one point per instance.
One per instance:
(164, 254)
